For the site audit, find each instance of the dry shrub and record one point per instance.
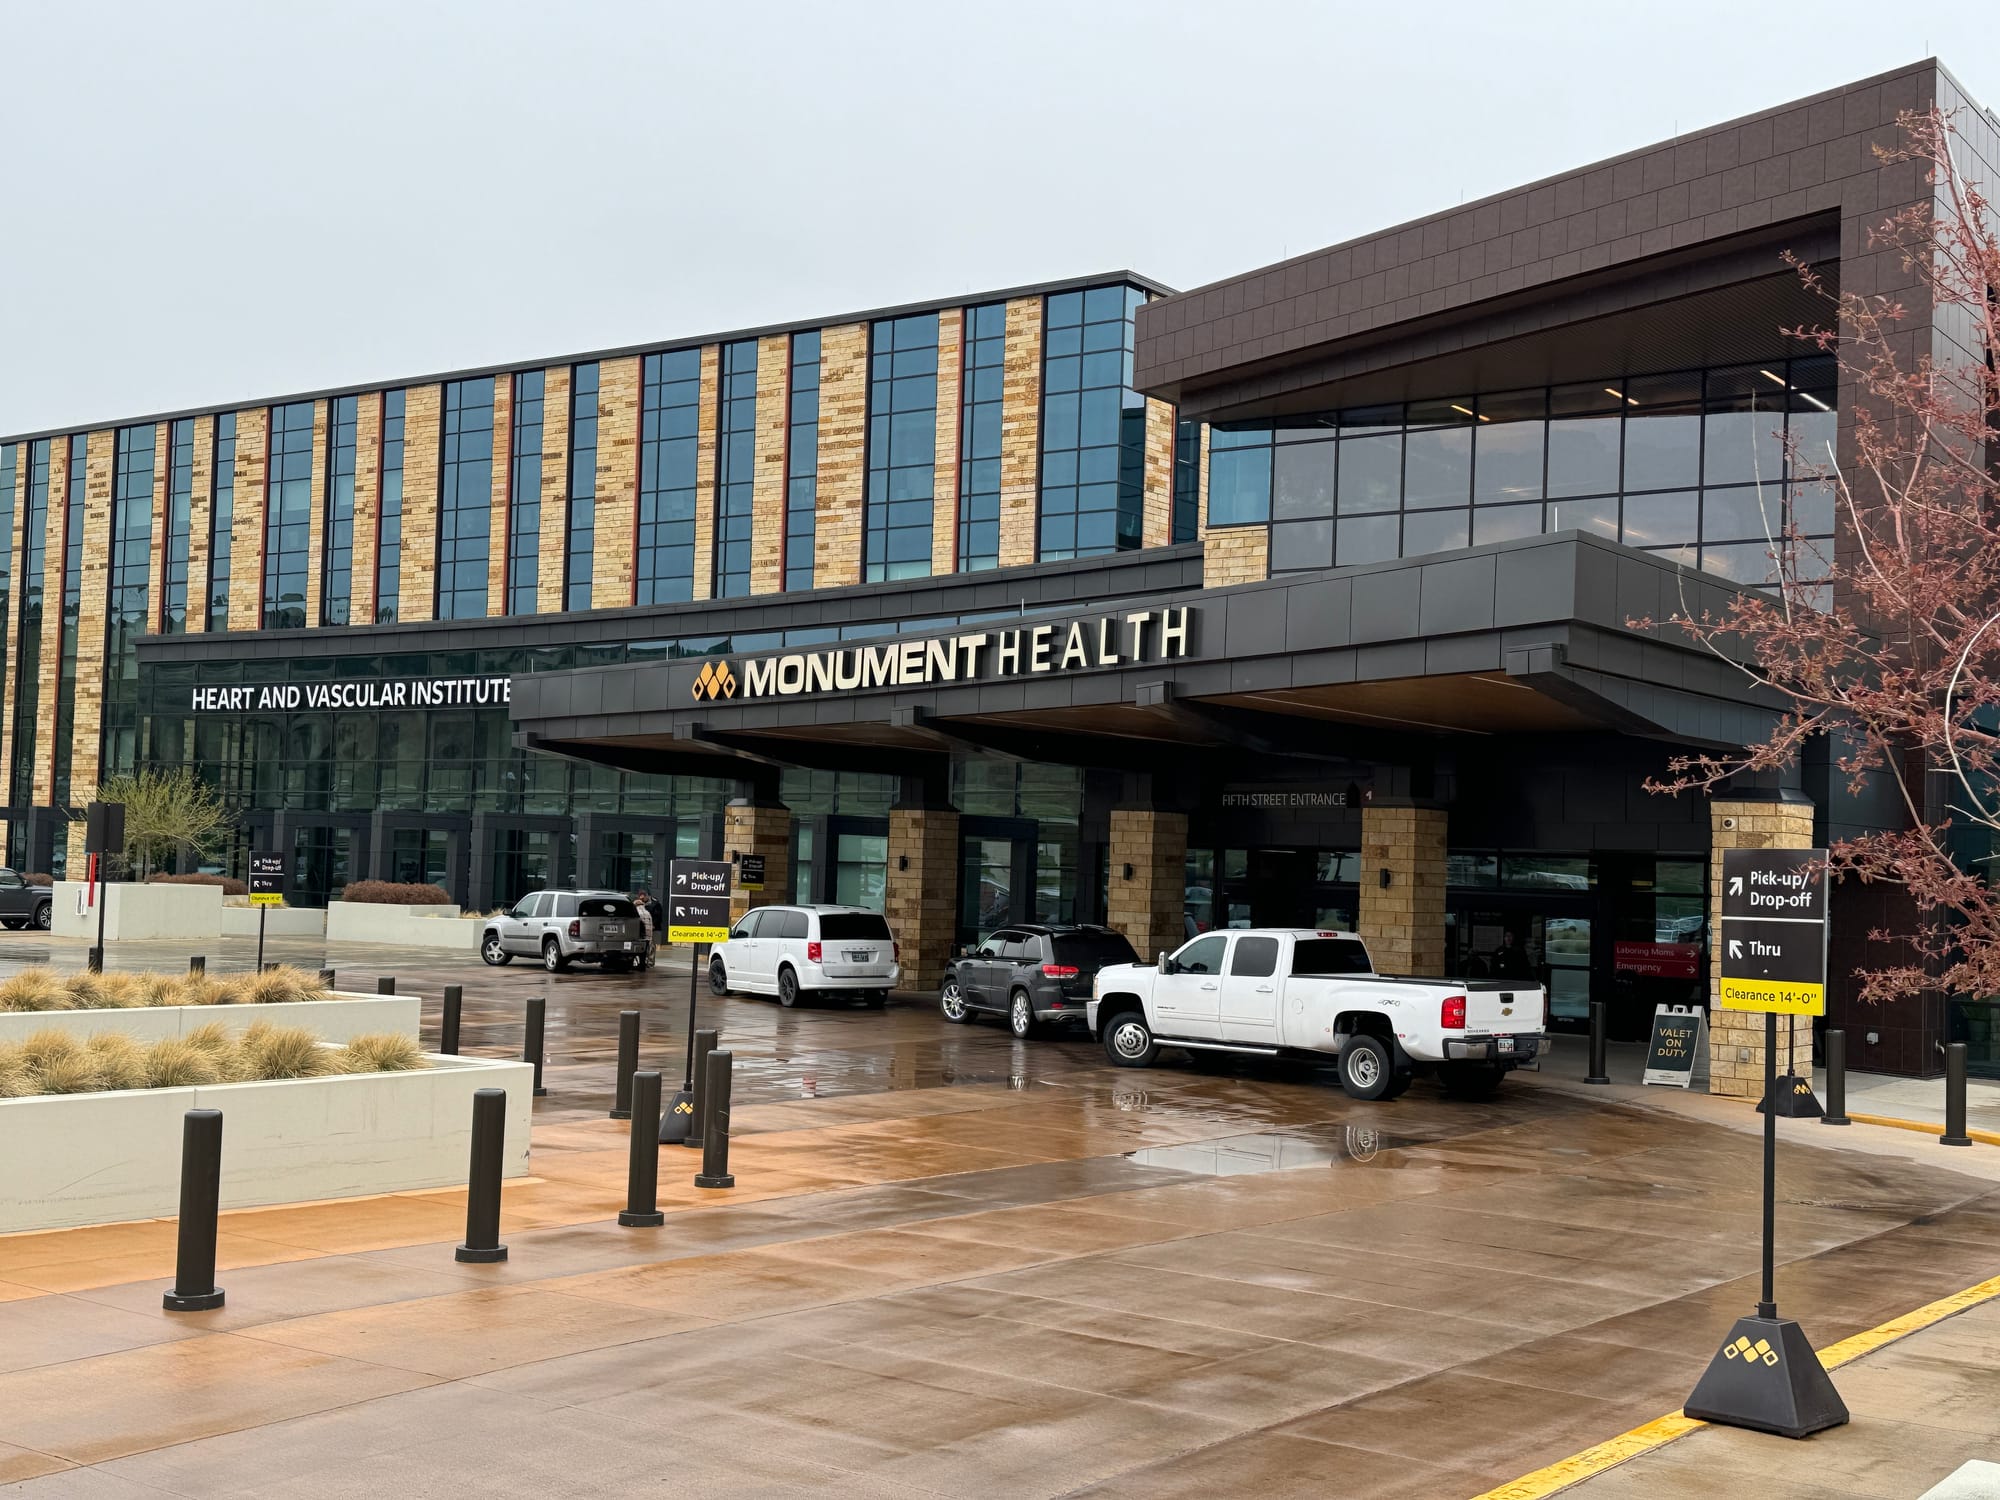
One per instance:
(281, 985)
(199, 989)
(37, 877)
(395, 893)
(59, 1064)
(159, 989)
(121, 1061)
(231, 1065)
(120, 991)
(40, 1047)
(176, 1063)
(86, 990)
(14, 1080)
(283, 1052)
(230, 885)
(381, 1052)
(37, 987)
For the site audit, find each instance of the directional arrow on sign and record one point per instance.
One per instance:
(1736, 885)
(1735, 948)
(682, 879)
(681, 911)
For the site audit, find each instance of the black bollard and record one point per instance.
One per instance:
(482, 1198)
(201, 1192)
(386, 985)
(1954, 1097)
(93, 960)
(704, 1043)
(642, 1175)
(326, 977)
(714, 1127)
(531, 1049)
(448, 1035)
(1597, 1043)
(1836, 1079)
(197, 966)
(274, 964)
(628, 1064)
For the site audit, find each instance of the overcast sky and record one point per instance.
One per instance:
(208, 202)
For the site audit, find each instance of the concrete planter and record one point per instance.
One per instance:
(284, 921)
(404, 926)
(134, 911)
(339, 1019)
(109, 1158)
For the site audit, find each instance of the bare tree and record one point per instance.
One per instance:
(166, 811)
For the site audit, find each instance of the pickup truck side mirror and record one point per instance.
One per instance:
(1167, 965)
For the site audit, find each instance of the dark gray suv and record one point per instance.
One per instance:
(1031, 974)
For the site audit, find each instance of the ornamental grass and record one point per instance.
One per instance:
(36, 987)
(40, 988)
(52, 1061)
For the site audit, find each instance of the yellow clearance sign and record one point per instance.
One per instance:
(1779, 996)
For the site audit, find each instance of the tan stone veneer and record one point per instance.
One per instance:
(1403, 922)
(1148, 905)
(1235, 554)
(616, 536)
(750, 828)
(843, 476)
(1021, 432)
(918, 896)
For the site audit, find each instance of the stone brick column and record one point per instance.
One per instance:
(921, 898)
(1736, 1037)
(1148, 905)
(1403, 922)
(758, 828)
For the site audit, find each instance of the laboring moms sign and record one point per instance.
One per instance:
(986, 655)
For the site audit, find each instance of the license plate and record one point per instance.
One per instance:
(628, 947)
(1506, 1044)
(864, 957)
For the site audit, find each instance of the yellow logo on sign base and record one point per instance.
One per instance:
(1784, 997)
(684, 1107)
(715, 680)
(1760, 1352)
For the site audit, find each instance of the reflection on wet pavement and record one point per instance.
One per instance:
(1242, 1155)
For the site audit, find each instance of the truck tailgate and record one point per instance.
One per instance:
(1501, 1009)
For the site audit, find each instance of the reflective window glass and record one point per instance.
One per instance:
(1302, 481)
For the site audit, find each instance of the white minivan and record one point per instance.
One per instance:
(795, 952)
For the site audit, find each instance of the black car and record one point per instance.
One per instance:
(1031, 974)
(22, 904)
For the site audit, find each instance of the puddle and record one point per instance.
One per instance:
(1246, 1155)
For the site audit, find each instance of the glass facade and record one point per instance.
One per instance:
(579, 546)
(336, 593)
(389, 520)
(465, 499)
(125, 614)
(735, 468)
(288, 502)
(902, 447)
(221, 518)
(1187, 481)
(802, 461)
(524, 494)
(10, 478)
(1690, 464)
(28, 647)
(175, 540)
(980, 388)
(72, 604)
(1093, 425)
(669, 425)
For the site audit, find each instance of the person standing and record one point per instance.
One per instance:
(645, 909)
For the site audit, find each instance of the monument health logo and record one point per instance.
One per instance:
(716, 680)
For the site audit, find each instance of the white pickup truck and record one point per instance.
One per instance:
(1272, 991)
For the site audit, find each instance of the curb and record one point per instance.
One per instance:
(1984, 1137)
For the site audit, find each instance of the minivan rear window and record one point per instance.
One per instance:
(847, 926)
(1093, 950)
(603, 906)
(1329, 956)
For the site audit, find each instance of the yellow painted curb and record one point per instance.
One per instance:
(1984, 1137)
(1663, 1430)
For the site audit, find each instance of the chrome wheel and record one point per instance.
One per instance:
(492, 952)
(1364, 1069)
(951, 1000)
(1129, 1043)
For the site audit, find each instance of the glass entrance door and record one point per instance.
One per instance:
(1546, 947)
(985, 887)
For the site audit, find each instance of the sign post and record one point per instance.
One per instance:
(103, 832)
(267, 889)
(1766, 1375)
(697, 913)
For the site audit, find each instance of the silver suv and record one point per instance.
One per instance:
(566, 927)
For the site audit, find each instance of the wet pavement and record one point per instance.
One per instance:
(954, 1264)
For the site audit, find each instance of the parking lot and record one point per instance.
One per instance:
(955, 1264)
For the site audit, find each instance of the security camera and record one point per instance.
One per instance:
(1728, 823)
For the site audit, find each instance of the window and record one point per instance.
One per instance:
(860, 864)
(981, 387)
(1254, 957)
(581, 543)
(1187, 481)
(748, 926)
(1202, 956)
(902, 446)
(336, 593)
(174, 543)
(288, 516)
(221, 518)
(130, 571)
(72, 599)
(670, 397)
(389, 521)
(1092, 950)
(1093, 425)
(1691, 464)
(28, 648)
(852, 927)
(802, 464)
(735, 467)
(786, 924)
(1328, 956)
(465, 499)
(524, 495)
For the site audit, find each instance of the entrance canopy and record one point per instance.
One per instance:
(1530, 637)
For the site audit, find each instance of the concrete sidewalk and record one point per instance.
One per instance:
(1567, 1062)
